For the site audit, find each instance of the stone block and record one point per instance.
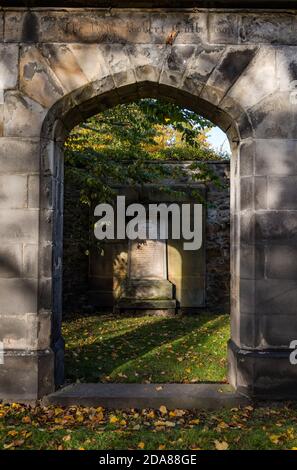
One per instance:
(277, 331)
(246, 193)
(233, 63)
(276, 297)
(276, 157)
(148, 289)
(13, 191)
(275, 117)
(252, 262)
(8, 65)
(11, 261)
(26, 376)
(281, 262)
(30, 260)
(282, 192)
(19, 155)
(224, 28)
(23, 117)
(65, 66)
(262, 374)
(33, 192)
(261, 29)
(90, 60)
(261, 73)
(147, 60)
(37, 79)
(18, 296)
(275, 226)
(26, 331)
(260, 193)
(18, 225)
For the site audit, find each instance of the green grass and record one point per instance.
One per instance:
(86, 428)
(183, 349)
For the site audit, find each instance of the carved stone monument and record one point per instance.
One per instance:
(147, 288)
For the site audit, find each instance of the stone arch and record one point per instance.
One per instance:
(69, 111)
(239, 77)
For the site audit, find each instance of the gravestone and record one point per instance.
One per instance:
(147, 289)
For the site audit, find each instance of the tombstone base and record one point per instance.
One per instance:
(147, 297)
(146, 307)
(262, 375)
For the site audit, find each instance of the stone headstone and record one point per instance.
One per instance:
(147, 258)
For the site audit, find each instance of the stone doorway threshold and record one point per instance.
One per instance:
(174, 396)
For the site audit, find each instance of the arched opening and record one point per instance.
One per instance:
(60, 121)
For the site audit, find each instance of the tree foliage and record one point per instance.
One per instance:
(121, 145)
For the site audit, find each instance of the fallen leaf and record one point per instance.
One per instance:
(221, 445)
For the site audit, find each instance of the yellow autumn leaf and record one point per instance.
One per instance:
(113, 419)
(141, 445)
(274, 438)
(163, 409)
(221, 445)
(162, 447)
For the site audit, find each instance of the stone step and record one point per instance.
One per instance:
(123, 396)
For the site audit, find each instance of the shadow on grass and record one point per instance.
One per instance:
(147, 349)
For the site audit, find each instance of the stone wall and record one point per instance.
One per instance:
(202, 279)
(217, 237)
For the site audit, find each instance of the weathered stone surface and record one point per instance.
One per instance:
(11, 261)
(30, 260)
(147, 60)
(281, 262)
(19, 155)
(242, 28)
(234, 61)
(22, 291)
(18, 225)
(276, 157)
(65, 66)
(26, 375)
(282, 192)
(33, 191)
(25, 331)
(23, 117)
(274, 226)
(9, 56)
(123, 396)
(37, 80)
(13, 191)
(99, 26)
(261, 72)
(267, 375)
(282, 125)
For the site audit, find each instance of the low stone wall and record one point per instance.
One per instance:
(83, 274)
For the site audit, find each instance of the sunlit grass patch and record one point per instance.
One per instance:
(143, 349)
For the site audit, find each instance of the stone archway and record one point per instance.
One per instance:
(60, 67)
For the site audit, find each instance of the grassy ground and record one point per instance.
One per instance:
(87, 428)
(146, 349)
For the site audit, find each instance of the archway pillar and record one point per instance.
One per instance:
(264, 269)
